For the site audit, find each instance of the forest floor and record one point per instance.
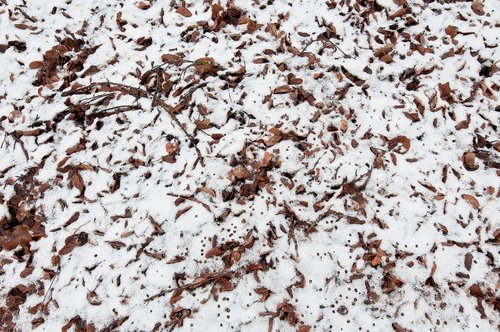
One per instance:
(254, 165)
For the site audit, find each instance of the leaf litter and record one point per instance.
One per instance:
(249, 165)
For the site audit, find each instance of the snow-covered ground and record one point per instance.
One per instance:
(248, 166)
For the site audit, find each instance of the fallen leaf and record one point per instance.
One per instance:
(184, 12)
(182, 211)
(92, 298)
(77, 181)
(471, 200)
(241, 172)
(116, 244)
(451, 31)
(36, 65)
(445, 90)
(468, 261)
(282, 89)
(469, 160)
(478, 7)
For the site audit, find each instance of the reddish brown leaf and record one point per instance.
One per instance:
(469, 160)
(116, 244)
(478, 7)
(400, 144)
(383, 50)
(451, 31)
(77, 181)
(283, 89)
(36, 65)
(241, 172)
(468, 261)
(184, 12)
(214, 252)
(445, 90)
(182, 211)
(471, 200)
(72, 219)
(92, 298)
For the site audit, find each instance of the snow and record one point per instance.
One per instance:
(363, 218)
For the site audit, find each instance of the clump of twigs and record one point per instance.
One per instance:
(154, 84)
(327, 43)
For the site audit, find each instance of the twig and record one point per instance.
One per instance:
(158, 85)
(52, 282)
(25, 15)
(121, 109)
(18, 140)
(141, 93)
(324, 40)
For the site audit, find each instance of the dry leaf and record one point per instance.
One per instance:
(36, 65)
(275, 138)
(241, 172)
(478, 7)
(468, 261)
(184, 12)
(471, 200)
(384, 50)
(182, 211)
(77, 181)
(445, 90)
(451, 31)
(116, 244)
(469, 160)
(283, 89)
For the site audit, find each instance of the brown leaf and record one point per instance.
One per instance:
(226, 285)
(283, 89)
(92, 298)
(275, 138)
(143, 5)
(171, 58)
(386, 58)
(471, 200)
(445, 90)
(26, 272)
(241, 172)
(214, 252)
(478, 7)
(266, 159)
(77, 181)
(475, 291)
(383, 50)
(36, 65)
(157, 228)
(72, 219)
(120, 22)
(72, 241)
(398, 327)
(413, 116)
(354, 221)
(181, 212)
(469, 160)
(116, 244)
(395, 144)
(468, 261)
(304, 328)
(207, 190)
(451, 31)
(206, 66)
(144, 41)
(202, 124)
(184, 12)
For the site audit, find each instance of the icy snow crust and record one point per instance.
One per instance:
(363, 196)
